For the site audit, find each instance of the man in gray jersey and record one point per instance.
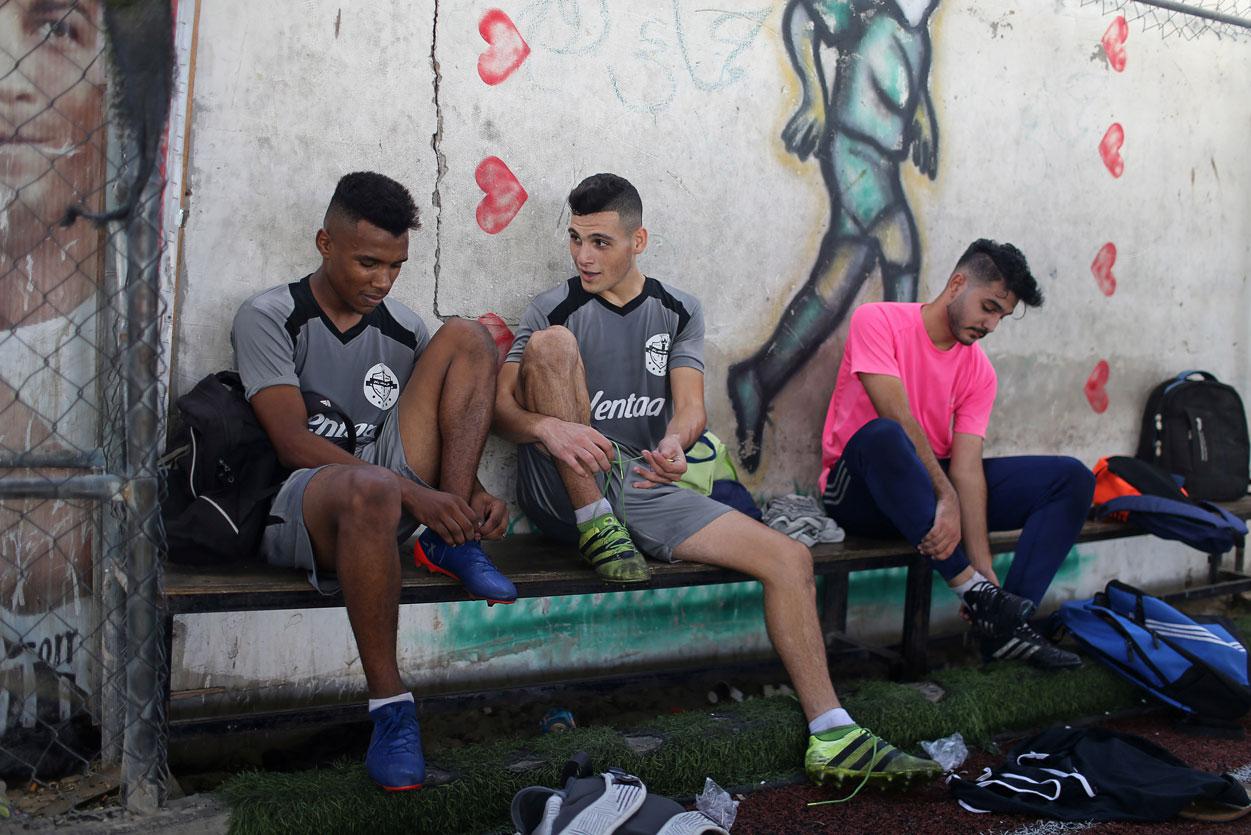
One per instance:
(603, 389)
(420, 409)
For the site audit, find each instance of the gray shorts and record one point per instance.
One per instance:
(659, 519)
(285, 542)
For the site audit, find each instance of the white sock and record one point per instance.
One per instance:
(374, 704)
(592, 511)
(961, 589)
(831, 719)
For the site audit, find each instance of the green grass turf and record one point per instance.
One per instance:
(760, 739)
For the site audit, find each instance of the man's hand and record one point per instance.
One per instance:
(449, 516)
(922, 136)
(804, 130)
(578, 446)
(945, 535)
(492, 513)
(666, 463)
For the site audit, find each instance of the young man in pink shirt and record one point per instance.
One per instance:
(901, 451)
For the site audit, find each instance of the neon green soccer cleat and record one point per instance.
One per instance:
(860, 755)
(605, 544)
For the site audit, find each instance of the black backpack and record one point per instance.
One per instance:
(1196, 428)
(221, 471)
(221, 475)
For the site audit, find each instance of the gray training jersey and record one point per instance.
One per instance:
(281, 337)
(627, 352)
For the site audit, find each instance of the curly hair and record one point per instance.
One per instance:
(989, 261)
(376, 199)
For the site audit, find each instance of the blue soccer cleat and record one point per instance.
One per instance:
(394, 760)
(467, 563)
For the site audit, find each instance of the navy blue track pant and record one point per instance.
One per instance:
(880, 488)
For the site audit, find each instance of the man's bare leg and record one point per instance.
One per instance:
(784, 567)
(352, 514)
(839, 750)
(446, 408)
(552, 381)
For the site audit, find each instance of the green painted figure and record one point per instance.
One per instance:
(860, 121)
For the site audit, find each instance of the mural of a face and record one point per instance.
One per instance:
(51, 153)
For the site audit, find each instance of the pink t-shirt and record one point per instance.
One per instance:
(948, 391)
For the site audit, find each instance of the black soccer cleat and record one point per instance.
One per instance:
(1025, 644)
(995, 612)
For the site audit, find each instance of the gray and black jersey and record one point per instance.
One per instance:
(281, 337)
(627, 352)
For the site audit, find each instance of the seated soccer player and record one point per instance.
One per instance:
(603, 389)
(421, 408)
(902, 451)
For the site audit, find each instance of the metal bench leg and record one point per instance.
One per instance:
(834, 606)
(1214, 568)
(916, 625)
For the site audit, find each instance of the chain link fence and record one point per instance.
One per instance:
(1189, 19)
(84, 90)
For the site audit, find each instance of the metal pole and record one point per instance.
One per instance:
(143, 757)
(102, 487)
(1197, 11)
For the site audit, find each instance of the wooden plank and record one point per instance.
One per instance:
(541, 568)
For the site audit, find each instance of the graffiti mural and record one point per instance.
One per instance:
(860, 119)
(51, 157)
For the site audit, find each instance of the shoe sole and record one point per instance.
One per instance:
(419, 556)
(839, 776)
(413, 787)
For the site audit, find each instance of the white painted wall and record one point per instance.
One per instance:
(689, 102)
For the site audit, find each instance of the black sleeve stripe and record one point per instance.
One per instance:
(655, 288)
(303, 309)
(574, 300)
(386, 323)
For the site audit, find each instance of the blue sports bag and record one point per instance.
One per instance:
(1197, 665)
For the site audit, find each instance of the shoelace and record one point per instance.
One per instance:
(864, 780)
(401, 736)
(989, 606)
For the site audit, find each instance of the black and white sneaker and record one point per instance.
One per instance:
(1025, 644)
(994, 612)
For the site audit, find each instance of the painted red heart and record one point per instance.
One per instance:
(1096, 394)
(1101, 267)
(507, 50)
(501, 334)
(504, 195)
(1110, 149)
(1114, 42)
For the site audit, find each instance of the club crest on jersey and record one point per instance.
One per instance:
(382, 389)
(656, 354)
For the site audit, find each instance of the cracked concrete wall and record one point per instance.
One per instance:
(690, 103)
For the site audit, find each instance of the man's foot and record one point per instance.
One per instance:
(995, 612)
(467, 563)
(747, 400)
(1025, 644)
(394, 759)
(858, 754)
(605, 543)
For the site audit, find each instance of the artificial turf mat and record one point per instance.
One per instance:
(760, 739)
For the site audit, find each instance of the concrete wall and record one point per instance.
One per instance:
(691, 103)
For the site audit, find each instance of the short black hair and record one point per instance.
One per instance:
(608, 193)
(376, 199)
(989, 261)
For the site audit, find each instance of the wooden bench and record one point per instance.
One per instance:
(540, 568)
